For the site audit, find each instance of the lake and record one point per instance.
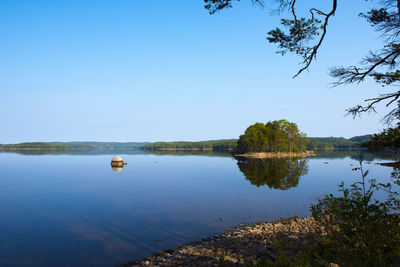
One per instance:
(75, 210)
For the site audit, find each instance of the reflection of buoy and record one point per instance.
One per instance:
(117, 169)
(117, 162)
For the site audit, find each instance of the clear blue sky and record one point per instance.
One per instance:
(130, 70)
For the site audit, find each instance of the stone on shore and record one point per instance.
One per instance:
(246, 242)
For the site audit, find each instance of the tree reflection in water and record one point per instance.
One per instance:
(276, 173)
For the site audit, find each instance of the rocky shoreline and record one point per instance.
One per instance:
(268, 155)
(244, 242)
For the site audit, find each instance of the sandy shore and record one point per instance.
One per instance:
(250, 242)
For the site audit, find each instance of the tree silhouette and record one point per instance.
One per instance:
(304, 36)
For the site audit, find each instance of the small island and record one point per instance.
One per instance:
(275, 139)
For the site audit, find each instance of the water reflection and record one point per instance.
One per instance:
(94, 219)
(189, 153)
(117, 169)
(353, 154)
(325, 154)
(275, 173)
(79, 152)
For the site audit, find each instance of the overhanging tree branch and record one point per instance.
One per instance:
(304, 37)
(309, 58)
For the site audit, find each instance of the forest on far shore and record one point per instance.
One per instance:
(282, 135)
(209, 145)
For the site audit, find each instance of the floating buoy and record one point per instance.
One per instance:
(117, 162)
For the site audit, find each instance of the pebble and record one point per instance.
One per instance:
(243, 242)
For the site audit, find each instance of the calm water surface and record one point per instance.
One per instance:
(75, 210)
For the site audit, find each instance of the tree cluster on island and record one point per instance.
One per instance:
(273, 136)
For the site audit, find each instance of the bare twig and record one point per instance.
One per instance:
(308, 59)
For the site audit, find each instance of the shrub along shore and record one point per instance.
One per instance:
(353, 229)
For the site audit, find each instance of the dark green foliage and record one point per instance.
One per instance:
(35, 145)
(72, 145)
(103, 145)
(222, 262)
(360, 230)
(214, 6)
(275, 136)
(361, 138)
(355, 229)
(304, 36)
(335, 142)
(330, 143)
(301, 32)
(317, 144)
(387, 139)
(275, 173)
(214, 145)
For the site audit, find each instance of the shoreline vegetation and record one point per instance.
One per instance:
(243, 244)
(223, 145)
(209, 145)
(267, 155)
(69, 146)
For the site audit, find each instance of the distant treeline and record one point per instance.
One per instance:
(72, 145)
(102, 145)
(213, 145)
(35, 145)
(335, 142)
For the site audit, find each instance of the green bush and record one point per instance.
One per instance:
(355, 229)
(360, 230)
